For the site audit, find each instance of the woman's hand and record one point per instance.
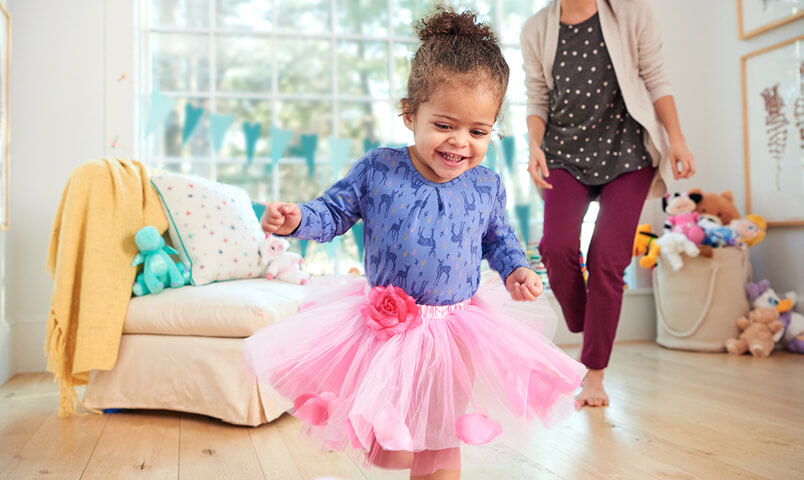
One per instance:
(524, 284)
(537, 167)
(681, 160)
(281, 218)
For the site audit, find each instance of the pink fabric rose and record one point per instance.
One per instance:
(389, 311)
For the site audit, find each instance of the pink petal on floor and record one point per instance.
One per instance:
(390, 431)
(476, 429)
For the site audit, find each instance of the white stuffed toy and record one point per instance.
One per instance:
(280, 263)
(672, 245)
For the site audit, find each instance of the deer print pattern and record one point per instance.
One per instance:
(427, 238)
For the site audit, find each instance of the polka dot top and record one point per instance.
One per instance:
(590, 133)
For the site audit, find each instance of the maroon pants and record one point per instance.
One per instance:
(594, 307)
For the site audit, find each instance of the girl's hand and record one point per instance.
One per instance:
(537, 167)
(524, 285)
(681, 157)
(281, 218)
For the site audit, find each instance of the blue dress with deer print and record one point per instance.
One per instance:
(427, 238)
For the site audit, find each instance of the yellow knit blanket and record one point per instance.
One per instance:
(91, 249)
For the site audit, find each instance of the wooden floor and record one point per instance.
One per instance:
(674, 415)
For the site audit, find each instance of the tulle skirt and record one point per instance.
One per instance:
(467, 373)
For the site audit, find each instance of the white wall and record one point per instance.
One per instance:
(702, 54)
(5, 326)
(61, 69)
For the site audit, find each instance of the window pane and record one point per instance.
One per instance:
(310, 16)
(364, 17)
(245, 14)
(234, 143)
(362, 120)
(484, 10)
(515, 12)
(180, 62)
(237, 76)
(406, 12)
(516, 78)
(304, 66)
(180, 13)
(403, 54)
(295, 184)
(254, 179)
(306, 116)
(166, 140)
(363, 69)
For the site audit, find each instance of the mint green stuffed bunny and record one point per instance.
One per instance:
(158, 267)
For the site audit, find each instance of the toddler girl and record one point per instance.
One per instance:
(413, 361)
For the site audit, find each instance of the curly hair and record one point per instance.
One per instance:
(455, 48)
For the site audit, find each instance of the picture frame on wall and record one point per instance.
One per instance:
(759, 16)
(5, 128)
(773, 131)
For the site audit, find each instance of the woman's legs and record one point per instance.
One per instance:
(564, 208)
(610, 251)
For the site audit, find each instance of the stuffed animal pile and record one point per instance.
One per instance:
(697, 222)
(792, 336)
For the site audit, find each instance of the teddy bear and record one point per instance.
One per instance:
(762, 296)
(716, 211)
(159, 270)
(682, 216)
(757, 331)
(279, 263)
(672, 245)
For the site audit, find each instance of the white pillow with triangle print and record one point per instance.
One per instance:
(213, 227)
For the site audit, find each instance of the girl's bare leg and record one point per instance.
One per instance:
(447, 461)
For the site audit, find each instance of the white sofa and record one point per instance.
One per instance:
(182, 350)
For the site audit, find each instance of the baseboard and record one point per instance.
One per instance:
(637, 322)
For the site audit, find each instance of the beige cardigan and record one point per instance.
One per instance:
(635, 47)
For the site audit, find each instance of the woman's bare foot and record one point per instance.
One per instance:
(593, 393)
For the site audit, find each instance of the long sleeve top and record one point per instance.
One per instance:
(425, 237)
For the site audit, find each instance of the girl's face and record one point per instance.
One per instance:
(452, 131)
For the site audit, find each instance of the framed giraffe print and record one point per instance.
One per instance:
(759, 16)
(773, 131)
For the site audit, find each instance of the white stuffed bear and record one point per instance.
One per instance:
(672, 245)
(281, 264)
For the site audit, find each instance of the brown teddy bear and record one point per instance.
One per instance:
(757, 333)
(717, 207)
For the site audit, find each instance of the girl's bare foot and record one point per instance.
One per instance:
(593, 393)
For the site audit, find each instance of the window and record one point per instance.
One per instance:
(330, 68)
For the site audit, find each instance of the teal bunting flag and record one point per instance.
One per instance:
(340, 148)
(252, 133)
(357, 231)
(192, 115)
(218, 124)
(332, 248)
(158, 110)
(303, 244)
(509, 149)
(491, 156)
(523, 216)
(369, 144)
(309, 143)
(280, 139)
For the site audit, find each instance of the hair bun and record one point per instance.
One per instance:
(445, 21)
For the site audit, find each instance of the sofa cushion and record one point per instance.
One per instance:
(213, 227)
(225, 309)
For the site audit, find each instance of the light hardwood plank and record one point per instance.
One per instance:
(25, 402)
(60, 448)
(275, 458)
(210, 449)
(312, 461)
(137, 446)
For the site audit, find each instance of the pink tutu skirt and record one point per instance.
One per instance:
(460, 374)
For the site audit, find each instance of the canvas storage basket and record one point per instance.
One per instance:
(697, 306)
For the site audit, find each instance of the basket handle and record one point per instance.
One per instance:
(699, 321)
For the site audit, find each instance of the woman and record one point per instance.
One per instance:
(602, 124)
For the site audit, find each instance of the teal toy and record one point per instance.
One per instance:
(158, 267)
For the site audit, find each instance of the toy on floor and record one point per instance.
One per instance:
(681, 215)
(645, 244)
(672, 245)
(159, 270)
(757, 333)
(280, 263)
(761, 295)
